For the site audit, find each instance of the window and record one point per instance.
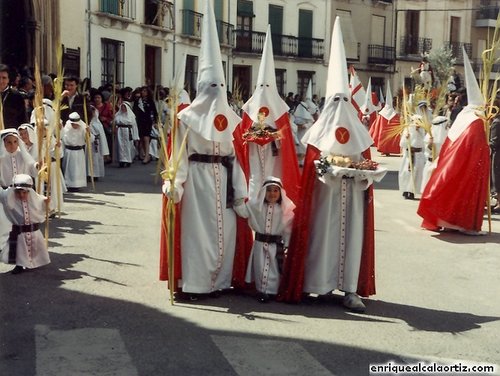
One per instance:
(159, 13)
(191, 75)
(303, 78)
(276, 22)
(112, 61)
(350, 40)
(378, 30)
(305, 32)
(280, 81)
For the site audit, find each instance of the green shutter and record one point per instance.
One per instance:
(245, 8)
(218, 9)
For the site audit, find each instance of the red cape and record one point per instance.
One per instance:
(387, 144)
(457, 190)
(292, 281)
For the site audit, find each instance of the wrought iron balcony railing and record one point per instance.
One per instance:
(121, 8)
(456, 50)
(191, 23)
(225, 31)
(159, 13)
(410, 45)
(378, 54)
(283, 45)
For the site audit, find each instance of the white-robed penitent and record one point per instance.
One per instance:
(73, 137)
(336, 225)
(272, 223)
(266, 107)
(303, 118)
(32, 139)
(208, 225)
(57, 182)
(126, 133)
(27, 241)
(439, 132)
(11, 164)
(99, 146)
(413, 161)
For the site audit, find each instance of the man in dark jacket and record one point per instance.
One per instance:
(13, 107)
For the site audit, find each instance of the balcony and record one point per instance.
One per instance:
(486, 16)
(456, 50)
(248, 41)
(380, 55)
(225, 31)
(191, 23)
(159, 13)
(118, 8)
(412, 48)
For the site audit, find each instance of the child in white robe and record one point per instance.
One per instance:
(270, 216)
(99, 146)
(28, 136)
(126, 133)
(73, 137)
(26, 211)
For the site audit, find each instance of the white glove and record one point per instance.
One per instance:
(240, 208)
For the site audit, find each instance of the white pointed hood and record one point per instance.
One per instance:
(266, 98)
(338, 129)
(475, 101)
(182, 94)
(368, 107)
(210, 115)
(358, 92)
(388, 112)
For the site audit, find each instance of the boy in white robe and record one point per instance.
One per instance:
(26, 211)
(413, 161)
(99, 146)
(270, 216)
(126, 133)
(28, 136)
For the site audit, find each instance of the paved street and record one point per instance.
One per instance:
(99, 309)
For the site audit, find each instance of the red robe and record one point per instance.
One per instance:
(385, 143)
(457, 190)
(292, 281)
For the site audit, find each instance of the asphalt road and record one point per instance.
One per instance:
(99, 309)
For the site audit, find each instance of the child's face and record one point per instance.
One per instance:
(11, 144)
(21, 194)
(273, 194)
(75, 125)
(23, 133)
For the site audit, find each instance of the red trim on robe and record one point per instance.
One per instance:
(292, 282)
(457, 190)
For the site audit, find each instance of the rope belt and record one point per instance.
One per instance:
(227, 162)
(415, 150)
(14, 233)
(80, 147)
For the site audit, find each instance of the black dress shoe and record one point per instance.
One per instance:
(263, 297)
(17, 270)
(411, 196)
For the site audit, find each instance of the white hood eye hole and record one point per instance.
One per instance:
(261, 85)
(336, 98)
(346, 99)
(213, 85)
(221, 85)
(267, 85)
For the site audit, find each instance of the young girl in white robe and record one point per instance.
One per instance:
(270, 216)
(126, 133)
(26, 211)
(99, 147)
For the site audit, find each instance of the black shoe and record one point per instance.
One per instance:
(405, 195)
(411, 196)
(263, 297)
(17, 270)
(121, 164)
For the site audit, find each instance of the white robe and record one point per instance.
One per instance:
(56, 193)
(74, 163)
(208, 228)
(31, 249)
(12, 164)
(99, 149)
(336, 236)
(439, 133)
(263, 164)
(263, 265)
(409, 182)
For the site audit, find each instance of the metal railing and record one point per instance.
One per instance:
(159, 13)
(121, 8)
(456, 50)
(410, 45)
(191, 23)
(283, 45)
(225, 31)
(378, 54)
